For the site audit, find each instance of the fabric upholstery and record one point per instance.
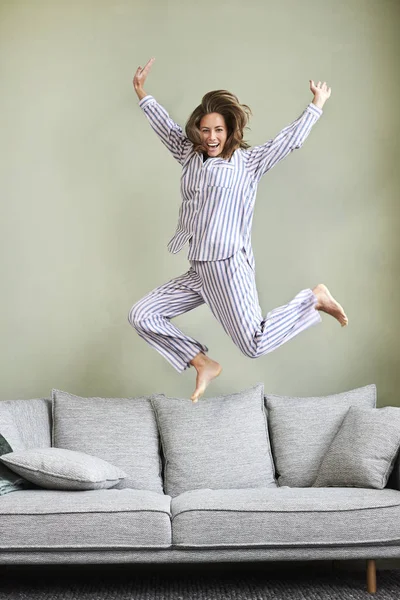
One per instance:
(302, 430)
(180, 555)
(32, 421)
(122, 431)
(220, 442)
(60, 469)
(97, 519)
(285, 517)
(363, 451)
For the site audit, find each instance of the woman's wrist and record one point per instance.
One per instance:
(318, 101)
(140, 93)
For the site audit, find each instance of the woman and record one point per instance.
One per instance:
(218, 185)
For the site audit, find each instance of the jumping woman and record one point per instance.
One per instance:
(220, 175)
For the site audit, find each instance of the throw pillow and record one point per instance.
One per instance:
(122, 431)
(59, 469)
(302, 430)
(363, 451)
(218, 443)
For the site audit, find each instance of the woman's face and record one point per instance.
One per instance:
(213, 133)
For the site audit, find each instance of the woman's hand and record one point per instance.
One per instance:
(321, 93)
(140, 78)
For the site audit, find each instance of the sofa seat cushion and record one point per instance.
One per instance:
(285, 517)
(96, 519)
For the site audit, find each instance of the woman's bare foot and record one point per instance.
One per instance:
(207, 369)
(327, 303)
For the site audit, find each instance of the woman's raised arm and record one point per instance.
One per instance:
(169, 132)
(261, 159)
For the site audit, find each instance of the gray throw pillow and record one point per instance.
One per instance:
(218, 443)
(9, 481)
(363, 451)
(59, 469)
(302, 430)
(122, 431)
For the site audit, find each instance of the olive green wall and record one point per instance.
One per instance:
(90, 196)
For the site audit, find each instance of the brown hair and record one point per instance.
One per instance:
(236, 117)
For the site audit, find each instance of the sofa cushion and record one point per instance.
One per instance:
(285, 517)
(363, 451)
(302, 430)
(31, 420)
(122, 431)
(9, 481)
(98, 519)
(60, 469)
(219, 442)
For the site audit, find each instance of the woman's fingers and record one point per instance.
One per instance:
(149, 63)
(322, 89)
(141, 73)
(147, 66)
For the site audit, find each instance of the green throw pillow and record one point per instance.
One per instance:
(9, 481)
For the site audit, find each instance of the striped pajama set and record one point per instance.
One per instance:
(215, 218)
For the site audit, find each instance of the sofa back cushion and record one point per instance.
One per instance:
(31, 420)
(218, 443)
(364, 449)
(122, 431)
(302, 430)
(23, 424)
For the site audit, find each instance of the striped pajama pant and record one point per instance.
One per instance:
(228, 287)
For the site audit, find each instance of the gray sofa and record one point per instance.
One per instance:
(242, 477)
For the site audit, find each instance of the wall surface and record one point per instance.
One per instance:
(90, 196)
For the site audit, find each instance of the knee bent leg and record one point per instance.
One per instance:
(249, 351)
(134, 316)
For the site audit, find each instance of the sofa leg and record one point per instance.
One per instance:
(371, 576)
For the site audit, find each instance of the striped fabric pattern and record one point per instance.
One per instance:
(215, 216)
(229, 289)
(218, 195)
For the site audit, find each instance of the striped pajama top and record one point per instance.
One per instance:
(218, 195)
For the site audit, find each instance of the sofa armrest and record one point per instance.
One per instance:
(394, 479)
